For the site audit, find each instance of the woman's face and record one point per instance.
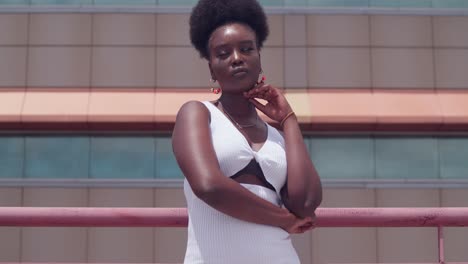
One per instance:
(234, 57)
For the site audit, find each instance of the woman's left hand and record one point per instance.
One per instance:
(276, 108)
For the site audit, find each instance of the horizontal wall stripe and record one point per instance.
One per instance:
(155, 109)
(359, 10)
(178, 183)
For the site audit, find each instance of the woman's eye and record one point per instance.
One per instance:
(222, 55)
(246, 49)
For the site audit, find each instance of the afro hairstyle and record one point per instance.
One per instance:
(208, 15)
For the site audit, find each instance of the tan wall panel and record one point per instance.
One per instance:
(345, 245)
(59, 66)
(455, 238)
(13, 29)
(170, 243)
(55, 197)
(454, 198)
(124, 29)
(407, 244)
(10, 244)
(172, 29)
(10, 196)
(295, 32)
(169, 197)
(401, 31)
(113, 245)
(13, 66)
(60, 29)
(54, 244)
(181, 67)
(123, 67)
(339, 67)
(295, 75)
(303, 245)
(276, 36)
(450, 31)
(10, 237)
(121, 244)
(338, 30)
(273, 65)
(120, 197)
(402, 68)
(451, 68)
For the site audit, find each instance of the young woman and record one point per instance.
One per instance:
(248, 186)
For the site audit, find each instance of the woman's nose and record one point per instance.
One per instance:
(237, 58)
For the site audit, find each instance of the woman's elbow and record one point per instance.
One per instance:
(311, 205)
(206, 190)
(307, 208)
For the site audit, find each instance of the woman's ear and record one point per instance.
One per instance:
(213, 77)
(260, 60)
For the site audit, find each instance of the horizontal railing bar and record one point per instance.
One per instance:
(178, 183)
(177, 217)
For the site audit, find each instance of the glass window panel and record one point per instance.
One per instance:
(166, 164)
(405, 3)
(61, 2)
(296, 3)
(343, 158)
(453, 157)
(57, 157)
(450, 3)
(406, 158)
(125, 2)
(325, 3)
(416, 3)
(271, 2)
(122, 157)
(11, 157)
(14, 2)
(177, 2)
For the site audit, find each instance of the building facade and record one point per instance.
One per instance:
(89, 91)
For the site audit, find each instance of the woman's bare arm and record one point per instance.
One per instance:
(302, 193)
(193, 149)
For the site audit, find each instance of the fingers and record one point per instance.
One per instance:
(262, 91)
(303, 225)
(300, 225)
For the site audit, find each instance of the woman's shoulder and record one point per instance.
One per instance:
(192, 109)
(193, 105)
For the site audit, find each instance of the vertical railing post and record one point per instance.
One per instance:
(440, 235)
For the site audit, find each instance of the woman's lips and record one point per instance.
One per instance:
(239, 72)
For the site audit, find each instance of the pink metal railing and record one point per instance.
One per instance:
(177, 217)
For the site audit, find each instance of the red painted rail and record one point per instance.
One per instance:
(177, 217)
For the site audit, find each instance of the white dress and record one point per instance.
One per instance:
(217, 238)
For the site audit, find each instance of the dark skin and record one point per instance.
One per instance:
(234, 61)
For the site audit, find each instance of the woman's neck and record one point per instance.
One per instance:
(236, 105)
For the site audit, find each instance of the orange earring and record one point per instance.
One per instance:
(215, 90)
(261, 80)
